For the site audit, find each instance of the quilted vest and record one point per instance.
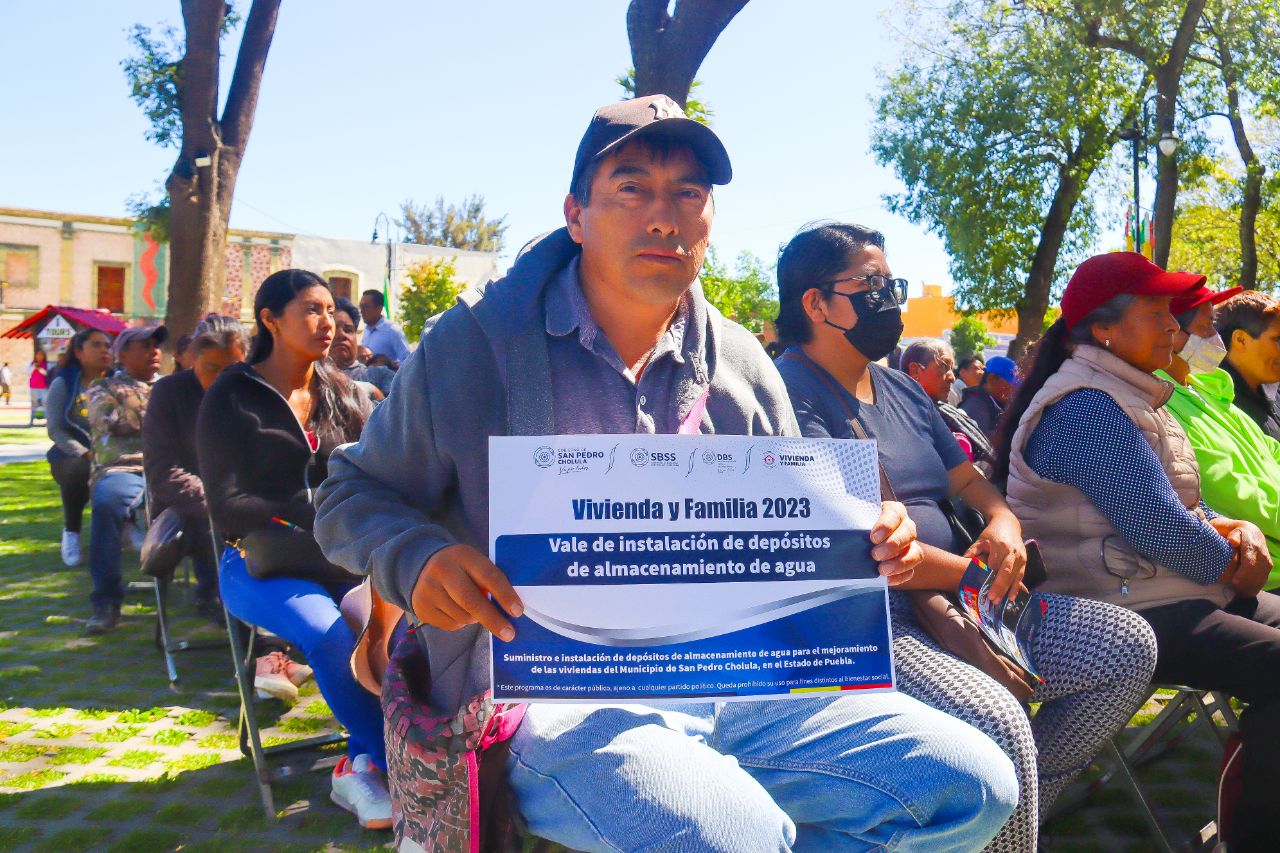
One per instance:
(1083, 553)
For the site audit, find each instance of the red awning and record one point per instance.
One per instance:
(80, 316)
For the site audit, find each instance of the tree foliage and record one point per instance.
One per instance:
(745, 295)
(432, 288)
(154, 74)
(1206, 235)
(995, 122)
(969, 336)
(463, 226)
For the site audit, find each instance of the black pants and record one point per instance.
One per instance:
(71, 473)
(1235, 649)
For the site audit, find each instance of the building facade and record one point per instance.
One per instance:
(84, 261)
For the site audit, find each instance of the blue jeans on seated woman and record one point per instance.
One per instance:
(306, 614)
(858, 772)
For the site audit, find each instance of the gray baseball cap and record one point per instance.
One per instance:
(615, 124)
(159, 334)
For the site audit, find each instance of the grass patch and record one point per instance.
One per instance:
(146, 840)
(116, 734)
(94, 714)
(57, 619)
(34, 780)
(135, 715)
(217, 741)
(308, 688)
(121, 809)
(58, 731)
(13, 837)
(194, 761)
(136, 759)
(41, 713)
(318, 708)
(72, 840)
(241, 817)
(9, 728)
(279, 740)
(20, 752)
(197, 719)
(96, 779)
(48, 807)
(222, 786)
(16, 673)
(78, 755)
(170, 737)
(304, 725)
(181, 814)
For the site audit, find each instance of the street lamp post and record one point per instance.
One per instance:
(1134, 134)
(386, 288)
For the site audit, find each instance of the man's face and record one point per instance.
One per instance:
(972, 374)
(370, 311)
(343, 350)
(1001, 389)
(1257, 359)
(141, 359)
(935, 378)
(645, 232)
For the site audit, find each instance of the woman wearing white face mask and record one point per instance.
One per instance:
(1239, 463)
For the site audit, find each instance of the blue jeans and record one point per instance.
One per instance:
(111, 498)
(870, 772)
(304, 613)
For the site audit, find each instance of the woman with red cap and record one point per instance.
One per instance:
(1102, 475)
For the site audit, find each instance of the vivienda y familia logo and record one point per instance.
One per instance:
(773, 458)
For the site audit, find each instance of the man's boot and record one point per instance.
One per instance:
(104, 618)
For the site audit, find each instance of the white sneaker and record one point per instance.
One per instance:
(359, 788)
(270, 679)
(71, 555)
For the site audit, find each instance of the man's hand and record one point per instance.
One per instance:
(1000, 546)
(896, 548)
(1248, 571)
(451, 592)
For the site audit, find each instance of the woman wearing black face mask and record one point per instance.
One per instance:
(840, 312)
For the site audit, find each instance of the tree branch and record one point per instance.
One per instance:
(198, 90)
(246, 81)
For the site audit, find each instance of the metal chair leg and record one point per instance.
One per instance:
(1125, 772)
(162, 627)
(241, 653)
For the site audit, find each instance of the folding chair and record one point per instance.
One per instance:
(243, 638)
(140, 517)
(1158, 737)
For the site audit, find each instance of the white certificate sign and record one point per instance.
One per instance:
(669, 568)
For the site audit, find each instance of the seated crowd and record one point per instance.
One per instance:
(1138, 447)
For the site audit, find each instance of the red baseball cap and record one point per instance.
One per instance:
(1102, 277)
(1198, 296)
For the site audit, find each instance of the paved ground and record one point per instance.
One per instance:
(98, 753)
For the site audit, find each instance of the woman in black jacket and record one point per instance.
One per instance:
(88, 358)
(265, 432)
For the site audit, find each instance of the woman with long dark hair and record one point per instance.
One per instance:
(264, 435)
(86, 359)
(840, 312)
(1102, 475)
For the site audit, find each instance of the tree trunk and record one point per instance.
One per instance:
(200, 196)
(667, 49)
(1254, 170)
(1034, 303)
(1168, 84)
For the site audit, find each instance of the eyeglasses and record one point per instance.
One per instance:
(880, 289)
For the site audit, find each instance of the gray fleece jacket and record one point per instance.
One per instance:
(418, 479)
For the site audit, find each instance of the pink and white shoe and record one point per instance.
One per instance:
(359, 788)
(270, 678)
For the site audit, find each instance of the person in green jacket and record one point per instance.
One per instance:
(1239, 463)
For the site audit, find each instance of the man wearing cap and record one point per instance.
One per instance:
(985, 401)
(117, 404)
(600, 327)
(1239, 463)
